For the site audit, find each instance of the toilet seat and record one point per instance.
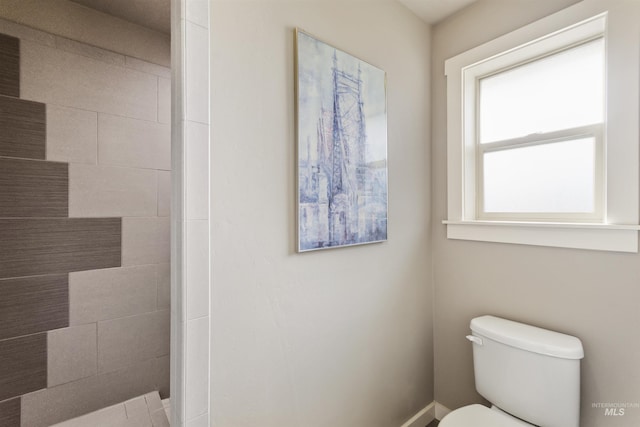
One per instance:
(480, 416)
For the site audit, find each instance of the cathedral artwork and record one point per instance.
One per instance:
(342, 147)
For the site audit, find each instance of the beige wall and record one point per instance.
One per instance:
(593, 295)
(341, 337)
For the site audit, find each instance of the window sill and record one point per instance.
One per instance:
(600, 237)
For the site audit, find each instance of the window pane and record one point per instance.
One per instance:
(555, 177)
(561, 91)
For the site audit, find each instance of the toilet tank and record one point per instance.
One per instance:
(529, 372)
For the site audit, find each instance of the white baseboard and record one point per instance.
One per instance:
(441, 411)
(422, 418)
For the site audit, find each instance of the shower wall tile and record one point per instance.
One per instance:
(201, 421)
(33, 304)
(111, 293)
(9, 66)
(23, 365)
(132, 381)
(102, 329)
(164, 100)
(197, 170)
(99, 191)
(147, 67)
(89, 51)
(197, 73)
(72, 135)
(197, 263)
(122, 342)
(71, 354)
(136, 412)
(32, 188)
(30, 247)
(192, 78)
(26, 33)
(10, 413)
(197, 11)
(164, 285)
(53, 405)
(163, 366)
(145, 241)
(197, 368)
(164, 193)
(133, 143)
(22, 125)
(86, 83)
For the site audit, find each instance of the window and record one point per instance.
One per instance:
(533, 157)
(539, 137)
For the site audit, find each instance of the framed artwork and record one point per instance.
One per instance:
(341, 125)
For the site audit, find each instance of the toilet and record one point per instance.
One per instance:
(530, 375)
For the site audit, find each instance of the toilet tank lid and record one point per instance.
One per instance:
(527, 337)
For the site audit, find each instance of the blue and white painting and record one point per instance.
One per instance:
(342, 148)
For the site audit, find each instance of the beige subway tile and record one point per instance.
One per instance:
(147, 67)
(71, 354)
(133, 143)
(163, 367)
(163, 278)
(145, 241)
(25, 33)
(90, 51)
(134, 380)
(122, 342)
(64, 402)
(54, 76)
(53, 405)
(163, 318)
(164, 100)
(103, 191)
(164, 193)
(72, 135)
(111, 293)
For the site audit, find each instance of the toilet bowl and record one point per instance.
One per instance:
(481, 416)
(530, 375)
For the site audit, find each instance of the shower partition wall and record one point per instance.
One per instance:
(190, 344)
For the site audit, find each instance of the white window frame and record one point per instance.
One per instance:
(614, 227)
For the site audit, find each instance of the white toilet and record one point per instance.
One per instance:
(530, 375)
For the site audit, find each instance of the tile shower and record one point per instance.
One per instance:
(85, 163)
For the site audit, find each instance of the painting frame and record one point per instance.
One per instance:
(341, 147)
